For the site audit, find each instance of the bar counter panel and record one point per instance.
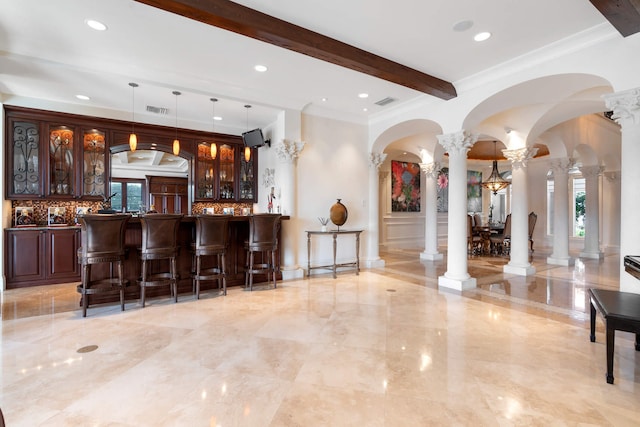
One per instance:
(235, 259)
(234, 263)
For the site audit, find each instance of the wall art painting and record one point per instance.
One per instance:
(474, 191)
(405, 187)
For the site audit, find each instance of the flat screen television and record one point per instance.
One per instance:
(253, 138)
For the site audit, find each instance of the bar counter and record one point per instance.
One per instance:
(234, 265)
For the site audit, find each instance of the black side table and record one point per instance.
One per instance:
(621, 311)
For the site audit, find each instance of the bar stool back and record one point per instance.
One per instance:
(212, 239)
(159, 242)
(263, 238)
(102, 241)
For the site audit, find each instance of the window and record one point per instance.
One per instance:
(579, 195)
(129, 195)
(550, 205)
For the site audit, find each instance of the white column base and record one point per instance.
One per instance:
(292, 273)
(457, 284)
(519, 270)
(431, 257)
(373, 263)
(592, 255)
(561, 261)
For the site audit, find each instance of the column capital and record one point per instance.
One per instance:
(376, 159)
(431, 170)
(625, 106)
(458, 142)
(520, 156)
(288, 151)
(561, 166)
(591, 171)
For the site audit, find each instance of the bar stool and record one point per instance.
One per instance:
(212, 239)
(159, 242)
(102, 241)
(263, 238)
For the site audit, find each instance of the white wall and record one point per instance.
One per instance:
(333, 165)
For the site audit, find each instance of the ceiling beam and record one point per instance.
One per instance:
(624, 15)
(257, 25)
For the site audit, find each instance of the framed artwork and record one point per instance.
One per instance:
(24, 217)
(405, 187)
(474, 191)
(56, 216)
(443, 190)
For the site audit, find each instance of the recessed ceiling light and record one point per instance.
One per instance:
(96, 25)
(365, 109)
(462, 25)
(480, 37)
(363, 95)
(83, 97)
(260, 68)
(324, 99)
(217, 118)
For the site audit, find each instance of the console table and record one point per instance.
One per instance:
(334, 266)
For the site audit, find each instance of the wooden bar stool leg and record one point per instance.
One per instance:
(86, 275)
(144, 279)
(198, 269)
(273, 268)
(174, 279)
(121, 283)
(251, 270)
(224, 274)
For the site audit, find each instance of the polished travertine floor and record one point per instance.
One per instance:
(385, 348)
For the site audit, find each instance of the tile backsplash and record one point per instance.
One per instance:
(40, 208)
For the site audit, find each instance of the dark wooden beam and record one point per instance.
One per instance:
(624, 15)
(252, 23)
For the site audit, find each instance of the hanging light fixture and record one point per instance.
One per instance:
(176, 142)
(247, 149)
(214, 148)
(133, 139)
(495, 182)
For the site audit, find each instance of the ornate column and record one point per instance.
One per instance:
(457, 276)
(373, 231)
(611, 207)
(519, 262)
(592, 212)
(560, 254)
(288, 152)
(626, 112)
(431, 172)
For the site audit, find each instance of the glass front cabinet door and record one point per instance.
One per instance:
(227, 172)
(247, 174)
(93, 164)
(25, 175)
(61, 168)
(205, 171)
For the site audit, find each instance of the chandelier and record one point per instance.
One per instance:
(495, 182)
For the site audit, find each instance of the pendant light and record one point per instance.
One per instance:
(176, 142)
(495, 182)
(133, 139)
(214, 148)
(247, 150)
